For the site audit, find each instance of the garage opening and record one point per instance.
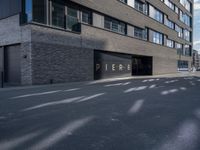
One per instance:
(112, 65)
(142, 65)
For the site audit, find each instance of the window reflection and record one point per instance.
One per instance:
(28, 10)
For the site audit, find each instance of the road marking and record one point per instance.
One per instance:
(127, 83)
(110, 85)
(70, 90)
(117, 84)
(183, 88)
(136, 107)
(152, 86)
(171, 81)
(65, 101)
(90, 97)
(169, 92)
(61, 133)
(35, 94)
(135, 89)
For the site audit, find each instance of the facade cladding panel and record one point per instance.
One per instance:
(12, 64)
(9, 8)
(73, 40)
(112, 65)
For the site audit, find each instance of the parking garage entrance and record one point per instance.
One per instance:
(142, 65)
(113, 65)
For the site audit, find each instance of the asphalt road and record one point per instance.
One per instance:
(144, 114)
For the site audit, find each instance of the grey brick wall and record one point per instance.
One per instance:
(60, 63)
(26, 64)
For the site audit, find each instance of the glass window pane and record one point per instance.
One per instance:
(72, 17)
(40, 11)
(58, 15)
(86, 17)
(28, 10)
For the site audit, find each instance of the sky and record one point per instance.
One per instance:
(197, 25)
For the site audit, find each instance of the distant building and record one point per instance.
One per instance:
(196, 59)
(55, 41)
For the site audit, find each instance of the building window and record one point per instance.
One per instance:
(123, 1)
(170, 43)
(186, 4)
(28, 10)
(115, 25)
(181, 15)
(176, 9)
(157, 37)
(185, 18)
(187, 35)
(169, 23)
(140, 33)
(170, 4)
(183, 64)
(139, 6)
(35, 10)
(179, 30)
(58, 15)
(86, 17)
(40, 11)
(179, 48)
(155, 14)
(72, 18)
(188, 50)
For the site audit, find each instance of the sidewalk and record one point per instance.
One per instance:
(174, 75)
(70, 84)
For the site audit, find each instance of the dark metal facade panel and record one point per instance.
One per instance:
(9, 8)
(107, 65)
(12, 64)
